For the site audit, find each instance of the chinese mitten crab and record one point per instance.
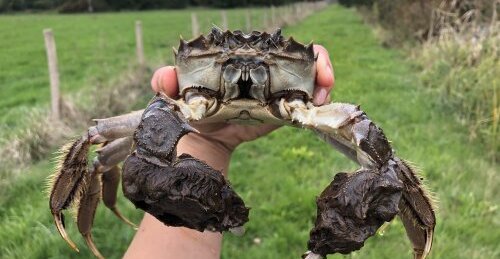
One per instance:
(234, 77)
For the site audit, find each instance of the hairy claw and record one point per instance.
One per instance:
(352, 208)
(181, 191)
(187, 193)
(365, 143)
(343, 225)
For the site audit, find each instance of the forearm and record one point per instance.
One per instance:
(155, 240)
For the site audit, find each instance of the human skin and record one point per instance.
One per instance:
(214, 146)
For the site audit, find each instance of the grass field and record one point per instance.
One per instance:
(279, 176)
(91, 49)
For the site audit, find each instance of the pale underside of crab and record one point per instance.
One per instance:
(234, 77)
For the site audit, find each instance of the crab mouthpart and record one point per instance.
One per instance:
(245, 79)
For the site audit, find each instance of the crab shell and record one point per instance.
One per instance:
(245, 73)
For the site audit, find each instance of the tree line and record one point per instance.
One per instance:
(70, 6)
(416, 19)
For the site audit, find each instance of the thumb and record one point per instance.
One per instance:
(164, 80)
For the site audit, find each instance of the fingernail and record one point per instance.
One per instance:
(320, 96)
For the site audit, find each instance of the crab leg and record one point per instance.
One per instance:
(355, 205)
(71, 176)
(105, 173)
(110, 181)
(416, 211)
(178, 191)
(115, 127)
(87, 208)
(109, 156)
(113, 153)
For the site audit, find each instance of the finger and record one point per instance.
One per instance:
(324, 71)
(324, 76)
(165, 80)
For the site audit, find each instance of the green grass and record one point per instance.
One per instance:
(90, 48)
(279, 175)
(463, 70)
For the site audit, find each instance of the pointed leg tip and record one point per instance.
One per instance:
(422, 253)
(91, 245)
(428, 243)
(122, 218)
(62, 231)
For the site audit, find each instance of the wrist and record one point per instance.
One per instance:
(214, 153)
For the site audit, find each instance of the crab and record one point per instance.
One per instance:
(233, 77)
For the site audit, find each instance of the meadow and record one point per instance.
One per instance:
(279, 175)
(91, 49)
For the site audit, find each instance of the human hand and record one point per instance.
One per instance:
(231, 135)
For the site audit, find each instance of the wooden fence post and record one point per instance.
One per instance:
(224, 20)
(248, 21)
(195, 28)
(138, 43)
(50, 47)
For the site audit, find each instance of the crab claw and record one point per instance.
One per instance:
(352, 208)
(178, 191)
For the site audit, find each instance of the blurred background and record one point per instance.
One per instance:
(426, 71)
